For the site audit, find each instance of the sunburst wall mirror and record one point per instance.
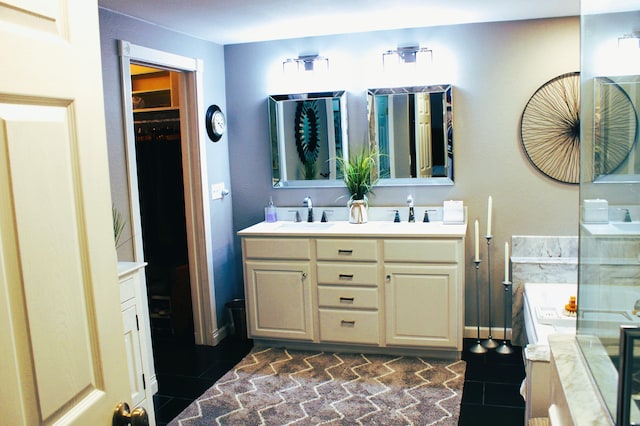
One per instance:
(550, 128)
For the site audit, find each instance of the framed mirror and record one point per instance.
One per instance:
(308, 131)
(616, 129)
(412, 129)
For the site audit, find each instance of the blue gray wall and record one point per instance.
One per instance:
(114, 27)
(494, 68)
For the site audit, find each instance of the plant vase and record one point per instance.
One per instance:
(357, 211)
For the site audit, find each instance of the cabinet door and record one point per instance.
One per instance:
(134, 356)
(279, 300)
(421, 305)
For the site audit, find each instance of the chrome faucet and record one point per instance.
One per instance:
(412, 216)
(627, 215)
(307, 201)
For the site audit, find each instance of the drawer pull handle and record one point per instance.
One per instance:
(345, 323)
(347, 299)
(345, 276)
(345, 251)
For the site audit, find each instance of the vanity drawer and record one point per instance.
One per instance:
(348, 297)
(127, 289)
(347, 273)
(277, 248)
(349, 326)
(422, 251)
(329, 249)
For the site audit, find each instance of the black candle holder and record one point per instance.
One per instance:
(504, 347)
(489, 343)
(477, 347)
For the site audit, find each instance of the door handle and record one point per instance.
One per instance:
(123, 416)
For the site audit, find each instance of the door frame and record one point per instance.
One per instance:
(197, 212)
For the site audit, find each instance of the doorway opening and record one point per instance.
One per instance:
(158, 148)
(167, 177)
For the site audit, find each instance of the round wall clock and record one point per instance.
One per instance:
(550, 128)
(215, 122)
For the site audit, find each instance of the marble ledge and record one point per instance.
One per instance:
(575, 399)
(537, 260)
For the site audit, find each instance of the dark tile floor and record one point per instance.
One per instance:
(185, 371)
(491, 394)
(491, 390)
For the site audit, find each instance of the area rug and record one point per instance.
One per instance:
(276, 386)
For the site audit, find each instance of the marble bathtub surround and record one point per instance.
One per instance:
(575, 400)
(539, 259)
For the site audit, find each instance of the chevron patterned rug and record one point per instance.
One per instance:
(276, 386)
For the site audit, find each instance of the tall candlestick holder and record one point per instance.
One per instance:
(477, 348)
(489, 343)
(504, 347)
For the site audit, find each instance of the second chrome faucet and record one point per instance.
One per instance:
(307, 201)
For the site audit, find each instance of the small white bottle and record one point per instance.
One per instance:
(270, 212)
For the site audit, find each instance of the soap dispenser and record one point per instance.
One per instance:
(270, 212)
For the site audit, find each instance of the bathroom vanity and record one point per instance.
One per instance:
(377, 287)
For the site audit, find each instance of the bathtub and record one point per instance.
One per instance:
(543, 306)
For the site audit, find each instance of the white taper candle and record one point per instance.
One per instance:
(506, 262)
(489, 211)
(477, 242)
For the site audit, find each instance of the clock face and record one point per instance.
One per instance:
(219, 125)
(215, 122)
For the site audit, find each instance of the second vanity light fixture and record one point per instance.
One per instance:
(414, 55)
(630, 41)
(306, 63)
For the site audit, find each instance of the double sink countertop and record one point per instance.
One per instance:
(347, 229)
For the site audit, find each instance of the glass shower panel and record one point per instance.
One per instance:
(609, 259)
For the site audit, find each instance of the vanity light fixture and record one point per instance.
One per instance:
(629, 41)
(306, 63)
(414, 55)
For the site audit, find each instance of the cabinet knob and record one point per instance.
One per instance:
(304, 275)
(388, 278)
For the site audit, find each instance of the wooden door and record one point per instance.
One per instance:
(62, 357)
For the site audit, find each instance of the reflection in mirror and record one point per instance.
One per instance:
(413, 131)
(308, 132)
(615, 154)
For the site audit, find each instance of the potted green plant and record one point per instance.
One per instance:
(359, 175)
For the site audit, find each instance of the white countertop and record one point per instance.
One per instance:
(128, 267)
(346, 229)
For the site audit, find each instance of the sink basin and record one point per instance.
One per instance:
(613, 228)
(303, 226)
(632, 228)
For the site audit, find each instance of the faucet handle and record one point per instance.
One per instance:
(297, 217)
(627, 215)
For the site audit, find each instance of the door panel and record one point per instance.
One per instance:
(63, 354)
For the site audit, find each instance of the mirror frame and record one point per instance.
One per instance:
(447, 89)
(277, 140)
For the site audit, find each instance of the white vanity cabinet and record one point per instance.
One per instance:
(423, 292)
(278, 288)
(395, 288)
(347, 289)
(137, 336)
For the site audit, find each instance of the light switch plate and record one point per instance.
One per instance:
(216, 190)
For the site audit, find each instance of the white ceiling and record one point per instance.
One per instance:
(242, 21)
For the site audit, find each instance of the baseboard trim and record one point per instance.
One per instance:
(219, 334)
(471, 332)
